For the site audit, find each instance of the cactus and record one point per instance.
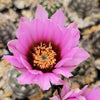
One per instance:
(7, 30)
(51, 5)
(83, 7)
(21, 91)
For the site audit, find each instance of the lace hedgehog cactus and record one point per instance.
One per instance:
(7, 31)
(44, 49)
(85, 12)
(83, 7)
(51, 5)
(21, 91)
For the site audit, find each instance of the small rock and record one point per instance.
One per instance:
(7, 98)
(2, 82)
(12, 15)
(28, 13)
(97, 63)
(39, 96)
(1, 92)
(96, 84)
(20, 4)
(3, 52)
(5, 4)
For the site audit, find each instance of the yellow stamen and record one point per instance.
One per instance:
(44, 56)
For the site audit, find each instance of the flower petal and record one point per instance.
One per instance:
(81, 98)
(78, 56)
(70, 68)
(22, 20)
(63, 71)
(61, 62)
(75, 32)
(37, 29)
(12, 46)
(54, 79)
(25, 63)
(67, 95)
(85, 90)
(26, 78)
(73, 57)
(25, 39)
(65, 89)
(59, 18)
(54, 98)
(94, 94)
(35, 72)
(42, 81)
(70, 38)
(15, 61)
(41, 13)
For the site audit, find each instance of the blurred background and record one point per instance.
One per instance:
(85, 12)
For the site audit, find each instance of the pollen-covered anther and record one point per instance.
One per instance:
(44, 57)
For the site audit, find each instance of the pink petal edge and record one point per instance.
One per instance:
(58, 18)
(41, 13)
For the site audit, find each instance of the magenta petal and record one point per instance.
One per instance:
(14, 61)
(25, 62)
(67, 95)
(63, 71)
(42, 81)
(70, 39)
(41, 13)
(73, 25)
(61, 62)
(77, 92)
(76, 33)
(55, 98)
(35, 72)
(70, 68)
(94, 94)
(80, 98)
(26, 78)
(12, 46)
(85, 90)
(24, 43)
(59, 18)
(54, 79)
(22, 20)
(22, 50)
(72, 99)
(77, 58)
(25, 38)
(29, 78)
(57, 36)
(38, 27)
(65, 89)
(71, 53)
(52, 32)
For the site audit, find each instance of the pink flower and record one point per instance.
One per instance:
(94, 94)
(77, 94)
(44, 49)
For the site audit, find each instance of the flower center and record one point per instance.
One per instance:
(44, 56)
